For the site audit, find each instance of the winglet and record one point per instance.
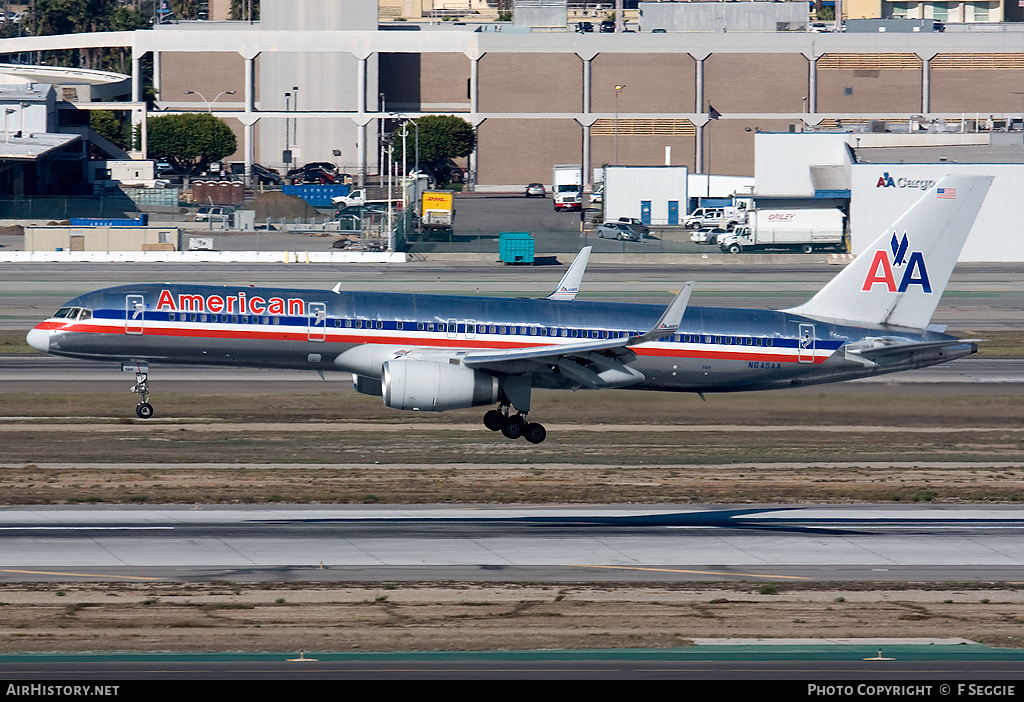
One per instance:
(570, 283)
(670, 318)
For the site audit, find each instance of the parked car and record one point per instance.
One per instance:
(708, 236)
(535, 190)
(584, 27)
(213, 214)
(618, 230)
(267, 176)
(313, 173)
(637, 224)
(608, 27)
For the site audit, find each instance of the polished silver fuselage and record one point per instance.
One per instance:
(714, 349)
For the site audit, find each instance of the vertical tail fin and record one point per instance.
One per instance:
(900, 277)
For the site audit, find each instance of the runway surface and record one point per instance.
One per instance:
(540, 544)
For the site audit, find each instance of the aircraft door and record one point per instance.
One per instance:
(805, 344)
(134, 313)
(317, 321)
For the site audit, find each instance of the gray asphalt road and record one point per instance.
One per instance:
(549, 544)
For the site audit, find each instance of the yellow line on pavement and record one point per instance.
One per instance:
(695, 572)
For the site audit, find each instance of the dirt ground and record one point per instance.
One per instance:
(857, 444)
(474, 617)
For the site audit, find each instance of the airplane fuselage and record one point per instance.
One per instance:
(713, 349)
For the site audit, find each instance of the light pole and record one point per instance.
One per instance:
(295, 123)
(287, 133)
(209, 103)
(618, 89)
(7, 113)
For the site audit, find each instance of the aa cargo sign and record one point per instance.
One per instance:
(887, 181)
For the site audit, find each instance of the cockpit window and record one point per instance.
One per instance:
(73, 313)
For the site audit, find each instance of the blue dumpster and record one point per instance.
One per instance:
(515, 247)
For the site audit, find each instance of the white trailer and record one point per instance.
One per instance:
(656, 195)
(803, 229)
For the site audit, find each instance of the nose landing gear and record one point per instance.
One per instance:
(144, 410)
(514, 426)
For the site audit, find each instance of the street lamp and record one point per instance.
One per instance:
(618, 89)
(209, 103)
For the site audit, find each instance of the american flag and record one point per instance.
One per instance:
(946, 193)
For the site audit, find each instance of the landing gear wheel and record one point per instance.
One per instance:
(514, 428)
(141, 387)
(495, 420)
(535, 433)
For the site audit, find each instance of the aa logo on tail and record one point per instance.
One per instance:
(883, 270)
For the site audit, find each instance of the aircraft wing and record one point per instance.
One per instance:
(876, 351)
(587, 362)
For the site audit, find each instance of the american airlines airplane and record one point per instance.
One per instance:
(441, 352)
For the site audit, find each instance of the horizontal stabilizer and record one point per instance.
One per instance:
(876, 351)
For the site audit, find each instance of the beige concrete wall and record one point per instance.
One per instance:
(756, 82)
(729, 145)
(520, 151)
(970, 84)
(98, 238)
(531, 83)
(647, 150)
(654, 82)
(415, 82)
(879, 83)
(208, 73)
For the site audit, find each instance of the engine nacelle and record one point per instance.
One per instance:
(366, 386)
(434, 387)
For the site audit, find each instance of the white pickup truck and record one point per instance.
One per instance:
(355, 197)
(714, 218)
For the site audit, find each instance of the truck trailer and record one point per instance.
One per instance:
(437, 211)
(805, 230)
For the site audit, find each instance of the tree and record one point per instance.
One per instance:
(441, 138)
(190, 142)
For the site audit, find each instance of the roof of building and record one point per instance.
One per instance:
(33, 146)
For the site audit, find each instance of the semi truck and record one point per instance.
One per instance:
(567, 187)
(437, 211)
(805, 230)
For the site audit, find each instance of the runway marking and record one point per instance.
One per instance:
(693, 572)
(77, 575)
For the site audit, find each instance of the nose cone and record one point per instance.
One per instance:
(39, 339)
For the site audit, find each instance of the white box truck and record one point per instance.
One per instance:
(803, 229)
(567, 187)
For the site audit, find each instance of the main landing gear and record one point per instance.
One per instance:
(515, 426)
(141, 387)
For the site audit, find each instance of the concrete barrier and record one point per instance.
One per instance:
(202, 257)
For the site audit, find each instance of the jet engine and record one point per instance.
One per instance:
(433, 387)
